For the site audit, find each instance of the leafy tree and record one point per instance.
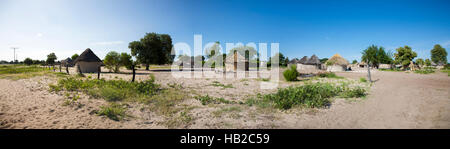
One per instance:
(323, 60)
(75, 56)
(28, 61)
(369, 56)
(404, 56)
(125, 60)
(213, 50)
(246, 51)
(152, 49)
(51, 58)
(439, 55)
(427, 62)
(282, 60)
(354, 62)
(420, 62)
(112, 61)
(383, 57)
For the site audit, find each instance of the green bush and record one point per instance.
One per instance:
(329, 75)
(362, 79)
(291, 74)
(314, 95)
(110, 90)
(208, 99)
(425, 71)
(113, 111)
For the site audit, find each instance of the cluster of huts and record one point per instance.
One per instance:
(87, 62)
(313, 65)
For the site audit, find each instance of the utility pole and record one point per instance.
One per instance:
(14, 48)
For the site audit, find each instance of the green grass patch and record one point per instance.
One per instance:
(393, 69)
(218, 84)
(17, 72)
(205, 100)
(362, 80)
(329, 75)
(113, 111)
(310, 95)
(424, 71)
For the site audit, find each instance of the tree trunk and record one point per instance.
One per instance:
(99, 71)
(67, 69)
(60, 68)
(368, 71)
(147, 67)
(134, 72)
(79, 70)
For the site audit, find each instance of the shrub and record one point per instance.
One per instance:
(329, 75)
(113, 111)
(362, 79)
(291, 74)
(314, 95)
(208, 99)
(425, 71)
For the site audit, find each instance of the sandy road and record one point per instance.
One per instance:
(396, 100)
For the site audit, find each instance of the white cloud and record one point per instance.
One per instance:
(106, 43)
(39, 35)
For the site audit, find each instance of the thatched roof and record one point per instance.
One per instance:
(338, 60)
(303, 60)
(293, 61)
(238, 58)
(87, 56)
(314, 60)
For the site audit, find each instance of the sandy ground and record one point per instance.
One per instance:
(396, 100)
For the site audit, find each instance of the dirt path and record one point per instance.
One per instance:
(396, 100)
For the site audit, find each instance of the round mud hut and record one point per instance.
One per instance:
(88, 62)
(337, 63)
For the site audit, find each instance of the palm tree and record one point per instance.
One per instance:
(369, 56)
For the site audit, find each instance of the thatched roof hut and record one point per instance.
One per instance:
(303, 60)
(337, 63)
(88, 62)
(67, 62)
(236, 61)
(293, 61)
(337, 60)
(314, 60)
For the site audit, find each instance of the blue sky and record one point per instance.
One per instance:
(324, 28)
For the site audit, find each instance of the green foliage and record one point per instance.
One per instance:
(211, 100)
(439, 55)
(291, 74)
(28, 61)
(153, 48)
(405, 55)
(218, 84)
(110, 90)
(420, 62)
(51, 58)
(112, 61)
(427, 70)
(213, 50)
(329, 75)
(125, 60)
(363, 80)
(75, 56)
(375, 55)
(354, 62)
(323, 60)
(113, 111)
(393, 69)
(427, 62)
(313, 95)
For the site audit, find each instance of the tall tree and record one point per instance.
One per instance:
(152, 49)
(112, 61)
(354, 62)
(28, 61)
(369, 56)
(420, 62)
(439, 55)
(51, 58)
(126, 60)
(404, 56)
(75, 56)
(427, 62)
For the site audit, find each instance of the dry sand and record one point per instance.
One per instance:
(396, 100)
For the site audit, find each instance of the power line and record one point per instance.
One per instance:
(14, 48)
